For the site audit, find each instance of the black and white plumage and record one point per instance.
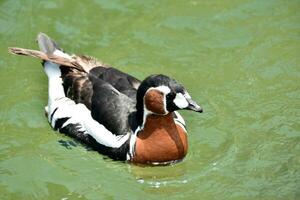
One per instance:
(102, 106)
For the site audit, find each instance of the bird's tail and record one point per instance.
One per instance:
(58, 66)
(50, 51)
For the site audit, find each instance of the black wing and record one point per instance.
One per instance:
(78, 86)
(110, 107)
(121, 81)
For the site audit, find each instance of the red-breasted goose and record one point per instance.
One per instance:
(111, 111)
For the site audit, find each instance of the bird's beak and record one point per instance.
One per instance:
(193, 106)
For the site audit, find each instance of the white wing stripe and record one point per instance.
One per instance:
(80, 114)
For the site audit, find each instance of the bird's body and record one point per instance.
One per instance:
(111, 111)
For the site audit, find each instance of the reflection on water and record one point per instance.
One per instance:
(161, 183)
(240, 60)
(160, 176)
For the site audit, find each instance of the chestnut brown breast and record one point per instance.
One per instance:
(161, 140)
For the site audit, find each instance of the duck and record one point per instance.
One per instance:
(110, 111)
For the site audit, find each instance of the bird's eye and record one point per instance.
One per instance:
(171, 95)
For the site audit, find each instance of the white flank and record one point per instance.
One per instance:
(80, 114)
(55, 88)
(77, 113)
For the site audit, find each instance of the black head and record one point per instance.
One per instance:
(160, 94)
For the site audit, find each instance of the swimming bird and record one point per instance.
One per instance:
(111, 111)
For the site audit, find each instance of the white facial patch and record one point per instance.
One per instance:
(180, 101)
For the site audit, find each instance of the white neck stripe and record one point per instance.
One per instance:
(132, 142)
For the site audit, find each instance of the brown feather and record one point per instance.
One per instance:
(161, 140)
(81, 63)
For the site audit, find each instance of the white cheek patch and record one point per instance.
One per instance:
(180, 101)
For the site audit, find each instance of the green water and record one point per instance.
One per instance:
(239, 59)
